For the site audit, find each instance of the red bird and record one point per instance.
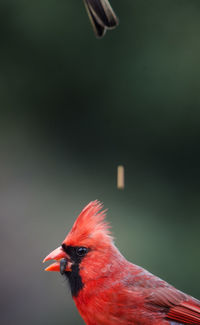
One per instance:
(109, 290)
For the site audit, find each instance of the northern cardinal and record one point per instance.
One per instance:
(101, 16)
(109, 290)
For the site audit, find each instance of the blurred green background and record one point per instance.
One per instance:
(71, 109)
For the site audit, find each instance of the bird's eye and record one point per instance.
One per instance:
(81, 251)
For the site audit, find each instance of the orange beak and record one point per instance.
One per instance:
(57, 255)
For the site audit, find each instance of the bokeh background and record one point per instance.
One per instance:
(71, 109)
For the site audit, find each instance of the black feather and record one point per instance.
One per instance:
(74, 278)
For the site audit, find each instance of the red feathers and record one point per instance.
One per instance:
(90, 228)
(187, 312)
(109, 290)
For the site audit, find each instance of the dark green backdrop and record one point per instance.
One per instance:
(71, 109)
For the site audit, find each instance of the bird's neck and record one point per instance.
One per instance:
(96, 273)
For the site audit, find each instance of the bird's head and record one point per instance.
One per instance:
(87, 249)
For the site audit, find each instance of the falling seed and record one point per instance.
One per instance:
(120, 177)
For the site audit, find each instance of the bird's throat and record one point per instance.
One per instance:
(75, 280)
